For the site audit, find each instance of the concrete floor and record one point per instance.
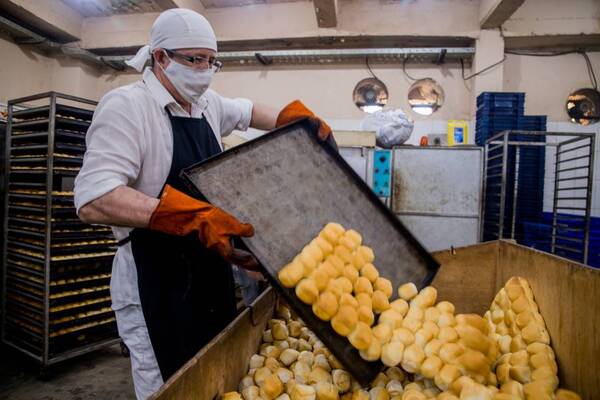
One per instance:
(103, 374)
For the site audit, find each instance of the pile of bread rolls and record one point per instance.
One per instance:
(429, 351)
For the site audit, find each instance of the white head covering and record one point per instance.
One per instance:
(177, 28)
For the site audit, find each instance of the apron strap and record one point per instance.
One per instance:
(124, 241)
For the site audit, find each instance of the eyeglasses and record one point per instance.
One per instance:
(200, 62)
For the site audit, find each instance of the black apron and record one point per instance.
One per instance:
(186, 291)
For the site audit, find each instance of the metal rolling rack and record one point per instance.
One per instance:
(56, 302)
(568, 232)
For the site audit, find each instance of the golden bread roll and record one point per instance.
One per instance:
(391, 317)
(272, 364)
(271, 388)
(256, 361)
(307, 357)
(448, 334)
(231, 396)
(400, 306)
(446, 396)
(384, 285)
(326, 391)
(538, 391)
(380, 301)
(517, 343)
(379, 393)
(394, 388)
(392, 353)
(307, 291)
(251, 393)
(380, 380)
(360, 394)
(433, 347)
(288, 356)
(363, 285)
(413, 358)
(459, 384)
(350, 272)
(543, 360)
(329, 269)
(246, 381)
(321, 362)
(284, 375)
(408, 291)
(563, 394)
(364, 299)
(290, 275)
(294, 328)
(512, 387)
(404, 336)
(344, 284)
(326, 306)
(474, 362)
(503, 373)
(323, 244)
(366, 255)
(412, 394)
(261, 375)
(373, 352)
(361, 336)
(337, 263)
(344, 254)
(416, 312)
(341, 380)
(346, 299)
(423, 336)
(354, 236)
(520, 304)
(445, 307)
(431, 366)
(473, 320)
(426, 297)
(520, 374)
(447, 375)
(473, 338)
(395, 373)
(345, 320)
(334, 286)
(449, 352)
(446, 319)
(432, 314)
(412, 324)
(369, 271)
(334, 362)
(332, 233)
(280, 331)
(366, 315)
(319, 375)
(303, 392)
(475, 392)
(320, 277)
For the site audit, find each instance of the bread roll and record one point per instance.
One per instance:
(354, 236)
(283, 396)
(423, 336)
(473, 320)
(432, 314)
(336, 262)
(290, 275)
(231, 396)
(301, 371)
(384, 285)
(474, 362)
(341, 380)
(391, 317)
(517, 343)
(288, 357)
(365, 315)
(446, 319)
(392, 353)
(360, 394)
(538, 391)
(350, 272)
(334, 287)
(448, 334)
(394, 388)
(364, 299)
(307, 291)
(251, 393)
(380, 380)
(326, 306)
(408, 291)
(307, 357)
(332, 232)
(449, 352)
(563, 394)
(542, 360)
(520, 374)
(373, 352)
(256, 361)
(344, 254)
(413, 395)
(271, 351)
(475, 392)
(412, 324)
(404, 336)
(320, 277)
(395, 373)
(271, 388)
(363, 285)
(344, 284)
(326, 391)
(513, 388)
(334, 362)
(445, 307)
(473, 338)
(345, 320)
(323, 244)
(280, 331)
(380, 301)
(416, 312)
(261, 375)
(361, 336)
(319, 375)
(433, 347)
(346, 299)
(369, 271)
(329, 269)
(272, 364)
(426, 298)
(303, 392)
(379, 393)
(446, 396)
(447, 375)
(246, 381)
(400, 306)
(431, 367)
(413, 358)
(284, 375)
(459, 384)
(294, 328)
(320, 361)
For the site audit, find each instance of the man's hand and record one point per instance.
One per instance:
(179, 214)
(295, 111)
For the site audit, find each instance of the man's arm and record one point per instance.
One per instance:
(123, 206)
(263, 117)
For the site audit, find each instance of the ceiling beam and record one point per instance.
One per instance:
(493, 13)
(326, 12)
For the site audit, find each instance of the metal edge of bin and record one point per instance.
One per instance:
(363, 371)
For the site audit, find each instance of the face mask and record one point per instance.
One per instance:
(191, 83)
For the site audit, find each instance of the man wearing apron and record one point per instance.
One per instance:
(172, 284)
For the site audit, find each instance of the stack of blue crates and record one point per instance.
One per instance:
(497, 112)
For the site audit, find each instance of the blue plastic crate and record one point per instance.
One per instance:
(501, 99)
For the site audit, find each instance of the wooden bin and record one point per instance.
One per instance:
(566, 292)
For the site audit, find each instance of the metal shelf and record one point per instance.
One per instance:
(56, 268)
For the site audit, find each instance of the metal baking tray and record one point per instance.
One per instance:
(289, 184)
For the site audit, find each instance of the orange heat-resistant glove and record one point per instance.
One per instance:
(295, 111)
(179, 214)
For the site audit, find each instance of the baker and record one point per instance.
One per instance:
(172, 285)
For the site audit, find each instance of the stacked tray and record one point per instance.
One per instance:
(57, 274)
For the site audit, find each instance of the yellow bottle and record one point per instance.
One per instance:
(458, 132)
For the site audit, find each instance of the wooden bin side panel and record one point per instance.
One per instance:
(567, 294)
(221, 364)
(467, 277)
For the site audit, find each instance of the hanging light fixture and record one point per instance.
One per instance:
(370, 95)
(425, 96)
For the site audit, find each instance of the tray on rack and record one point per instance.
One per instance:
(289, 184)
(61, 110)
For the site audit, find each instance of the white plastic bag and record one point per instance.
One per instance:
(392, 127)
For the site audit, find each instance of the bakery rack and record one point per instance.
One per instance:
(56, 300)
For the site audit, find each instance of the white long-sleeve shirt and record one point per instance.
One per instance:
(130, 143)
